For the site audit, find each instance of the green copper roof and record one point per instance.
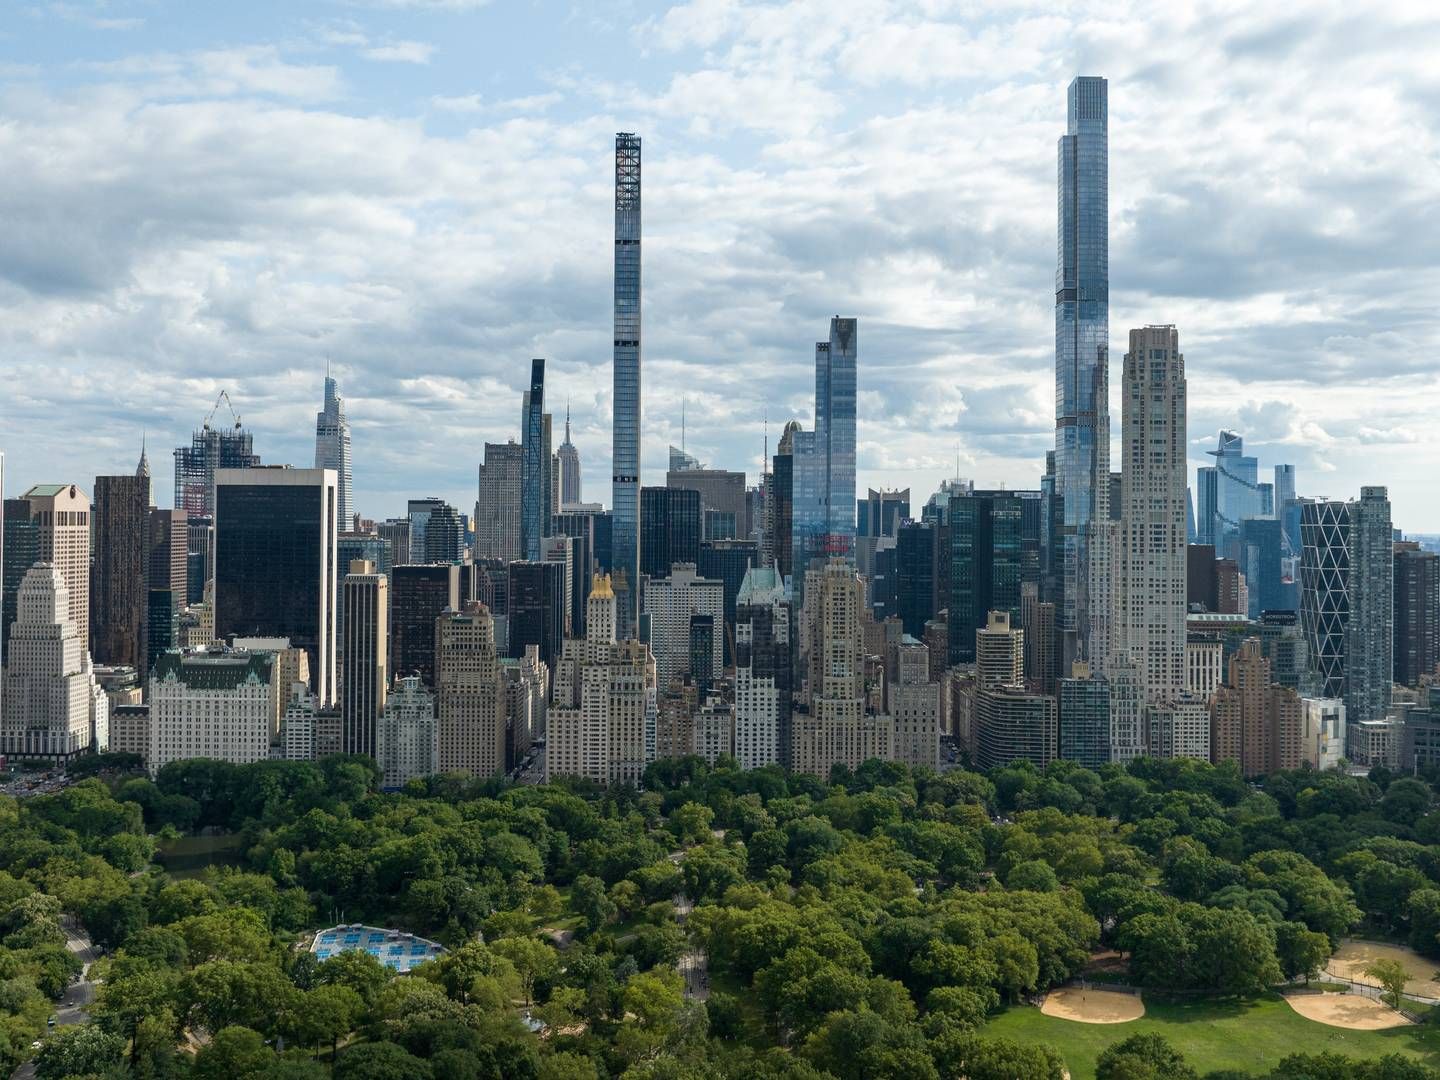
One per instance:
(214, 671)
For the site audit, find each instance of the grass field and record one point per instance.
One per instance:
(1248, 1035)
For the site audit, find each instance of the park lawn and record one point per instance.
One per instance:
(1248, 1035)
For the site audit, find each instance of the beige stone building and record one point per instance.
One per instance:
(915, 707)
(470, 696)
(62, 512)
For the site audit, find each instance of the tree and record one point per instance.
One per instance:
(959, 1055)
(1034, 875)
(1143, 1057)
(77, 1051)
(1301, 952)
(532, 958)
(380, 1061)
(233, 1053)
(591, 903)
(1392, 977)
(1017, 963)
(324, 1014)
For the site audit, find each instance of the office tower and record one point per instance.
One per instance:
(1287, 509)
(999, 652)
(680, 461)
(396, 532)
(276, 531)
(1259, 548)
(536, 609)
(1082, 334)
(1202, 586)
(1369, 644)
(764, 669)
(117, 601)
(365, 546)
(568, 459)
(200, 557)
(437, 533)
(1204, 666)
(1417, 613)
(418, 594)
(527, 692)
(469, 694)
(728, 561)
(625, 454)
(61, 513)
(497, 513)
(365, 599)
(670, 602)
(1231, 493)
(535, 509)
(166, 582)
(921, 550)
(704, 644)
(406, 741)
(332, 449)
(603, 691)
(1207, 484)
(669, 529)
(1149, 624)
(1178, 728)
(837, 728)
(915, 707)
(21, 550)
(1037, 623)
(210, 449)
(1282, 641)
(563, 550)
(1254, 722)
(52, 706)
(221, 704)
(722, 501)
(880, 512)
(986, 563)
(1014, 724)
(1083, 705)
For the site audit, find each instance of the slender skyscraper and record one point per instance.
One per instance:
(569, 459)
(625, 464)
(1082, 335)
(332, 449)
(534, 465)
(835, 374)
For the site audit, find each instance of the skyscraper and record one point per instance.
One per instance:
(210, 449)
(470, 693)
(1082, 341)
(1150, 622)
(835, 393)
(669, 529)
(275, 544)
(21, 550)
(166, 583)
(536, 609)
(671, 602)
(1417, 613)
(569, 460)
(365, 597)
(1369, 641)
(117, 602)
(625, 457)
(986, 564)
(332, 448)
(1231, 493)
(61, 513)
(1324, 588)
(764, 669)
(497, 512)
(418, 594)
(534, 466)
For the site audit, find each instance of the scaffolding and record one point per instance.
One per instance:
(210, 449)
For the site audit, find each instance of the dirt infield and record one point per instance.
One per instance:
(1093, 1006)
(1353, 957)
(1346, 1011)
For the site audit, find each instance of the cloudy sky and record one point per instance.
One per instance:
(207, 196)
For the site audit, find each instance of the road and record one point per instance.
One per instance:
(79, 996)
(695, 970)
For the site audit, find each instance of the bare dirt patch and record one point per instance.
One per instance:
(1346, 1011)
(1353, 957)
(1093, 1006)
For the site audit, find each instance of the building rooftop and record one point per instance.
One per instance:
(214, 670)
(395, 949)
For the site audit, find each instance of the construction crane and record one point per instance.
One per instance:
(228, 404)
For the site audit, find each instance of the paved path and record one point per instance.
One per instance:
(79, 996)
(694, 968)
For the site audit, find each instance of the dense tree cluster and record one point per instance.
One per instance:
(863, 927)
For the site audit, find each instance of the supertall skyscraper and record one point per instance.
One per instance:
(332, 448)
(534, 466)
(568, 458)
(1150, 620)
(1082, 339)
(625, 463)
(835, 390)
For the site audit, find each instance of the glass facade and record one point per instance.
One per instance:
(418, 594)
(625, 463)
(1082, 340)
(669, 529)
(534, 466)
(987, 564)
(835, 389)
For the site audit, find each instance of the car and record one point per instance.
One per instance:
(51, 1021)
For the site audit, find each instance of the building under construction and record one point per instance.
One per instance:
(210, 449)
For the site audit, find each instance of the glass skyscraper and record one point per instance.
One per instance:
(332, 447)
(625, 464)
(534, 467)
(1082, 333)
(835, 376)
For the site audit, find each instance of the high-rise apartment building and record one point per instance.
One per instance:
(52, 706)
(837, 727)
(567, 457)
(672, 602)
(276, 532)
(497, 512)
(914, 706)
(332, 449)
(119, 574)
(219, 704)
(1037, 621)
(999, 652)
(1083, 704)
(406, 743)
(418, 594)
(1253, 721)
(1082, 343)
(669, 529)
(1149, 622)
(1178, 728)
(625, 455)
(470, 693)
(764, 669)
(1014, 724)
(61, 513)
(1417, 613)
(535, 464)
(1369, 641)
(365, 599)
(835, 397)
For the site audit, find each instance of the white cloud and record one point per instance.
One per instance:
(403, 52)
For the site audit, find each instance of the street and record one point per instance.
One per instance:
(78, 996)
(694, 968)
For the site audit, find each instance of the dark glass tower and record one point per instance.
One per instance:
(625, 465)
(537, 609)
(669, 529)
(534, 467)
(987, 564)
(835, 391)
(1082, 337)
(418, 594)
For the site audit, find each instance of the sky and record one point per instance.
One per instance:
(198, 197)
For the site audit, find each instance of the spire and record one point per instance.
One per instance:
(143, 469)
(567, 422)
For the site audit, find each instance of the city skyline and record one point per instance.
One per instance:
(956, 344)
